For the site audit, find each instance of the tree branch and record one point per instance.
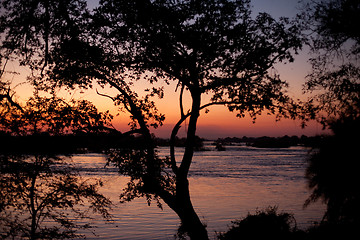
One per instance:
(219, 103)
(3, 68)
(172, 142)
(10, 100)
(195, 92)
(178, 126)
(181, 100)
(105, 95)
(134, 110)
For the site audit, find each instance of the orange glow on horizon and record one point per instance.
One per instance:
(218, 122)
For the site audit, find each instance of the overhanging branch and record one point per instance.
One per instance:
(105, 95)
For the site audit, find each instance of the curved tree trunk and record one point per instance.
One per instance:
(183, 207)
(190, 221)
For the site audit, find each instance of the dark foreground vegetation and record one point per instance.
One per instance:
(270, 224)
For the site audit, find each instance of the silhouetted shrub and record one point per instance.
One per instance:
(265, 224)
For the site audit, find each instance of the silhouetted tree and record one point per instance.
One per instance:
(333, 176)
(41, 194)
(41, 197)
(212, 48)
(335, 45)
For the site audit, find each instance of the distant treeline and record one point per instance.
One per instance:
(64, 144)
(100, 142)
(44, 143)
(260, 142)
(274, 142)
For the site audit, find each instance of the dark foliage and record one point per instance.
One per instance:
(333, 176)
(42, 197)
(335, 44)
(53, 116)
(332, 231)
(41, 194)
(269, 224)
(332, 172)
(266, 224)
(64, 144)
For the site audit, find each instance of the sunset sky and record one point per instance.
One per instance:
(219, 122)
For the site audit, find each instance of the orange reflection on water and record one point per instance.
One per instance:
(220, 192)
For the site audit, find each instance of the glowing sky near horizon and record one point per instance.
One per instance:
(219, 122)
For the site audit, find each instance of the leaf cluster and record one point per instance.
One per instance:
(54, 116)
(148, 176)
(335, 43)
(262, 224)
(33, 28)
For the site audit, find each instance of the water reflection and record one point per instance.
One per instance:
(224, 186)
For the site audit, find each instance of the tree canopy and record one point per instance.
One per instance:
(335, 78)
(335, 44)
(53, 116)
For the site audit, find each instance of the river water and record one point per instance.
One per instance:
(224, 186)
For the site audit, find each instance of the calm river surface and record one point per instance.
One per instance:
(224, 186)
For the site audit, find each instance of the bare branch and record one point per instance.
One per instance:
(181, 101)
(105, 95)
